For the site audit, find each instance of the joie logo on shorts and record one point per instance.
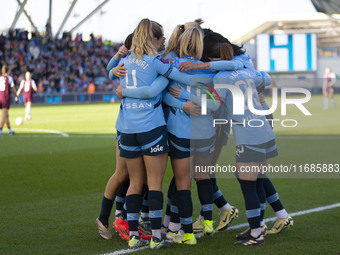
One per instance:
(239, 150)
(156, 149)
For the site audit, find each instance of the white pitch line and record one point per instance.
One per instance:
(44, 131)
(309, 137)
(317, 209)
(126, 251)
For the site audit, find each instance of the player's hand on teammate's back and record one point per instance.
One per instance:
(120, 71)
(186, 66)
(119, 91)
(192, 108)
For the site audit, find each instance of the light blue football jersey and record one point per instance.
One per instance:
(244, 133)
(171, 55)
(142, 115)
(188, 126)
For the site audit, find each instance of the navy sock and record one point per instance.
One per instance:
(262, 196)
(106, 211)
(174, 212)
(252, 202)
(124, 212)
(168, 201)
(205, 194)
(145, 203)
(184, 202)
(155, 199)
(218, 198)
(145, 209)
(133, 205)
(271, 194)
(120, 197)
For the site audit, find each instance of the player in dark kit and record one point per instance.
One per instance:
(28, 85)
(6, 85)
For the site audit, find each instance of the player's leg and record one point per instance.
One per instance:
(3, 119)
(131, 150)
(111, 189)
(144, 220)
(134, 199)
(248, 183)
(283, 219)
(175, 223)
(28, 105)
(227, 212)
(155, 150)
(262, 196)
(8, 124)
(167, 216)
(205, 195)
(248, 161)
(325, 98)
(181, 168)
(331, 96)
(120, 198)
(156, 166)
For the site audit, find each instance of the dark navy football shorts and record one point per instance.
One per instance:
(179, 147)
(118, 138)
(202, 147)
(222, 130)
(150, 143)
(256, 153)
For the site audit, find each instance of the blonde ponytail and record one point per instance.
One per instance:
(142, 40)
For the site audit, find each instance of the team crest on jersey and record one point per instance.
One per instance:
(162, 59)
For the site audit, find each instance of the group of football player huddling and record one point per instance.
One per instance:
(170, 100)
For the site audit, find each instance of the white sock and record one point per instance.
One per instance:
(334, 103)
(9, 130)
(134, 233)
(166, 221)
(225, 207)
(118, 212)
(157, 233)
(325, 103)
(255, 232)
(174, 227)
(262, 223)
(281, 214)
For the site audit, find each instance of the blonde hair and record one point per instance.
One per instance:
(142, 40)
(226, 51)
(173, 45)
(191, 43)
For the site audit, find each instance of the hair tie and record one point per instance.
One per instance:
(182, 27)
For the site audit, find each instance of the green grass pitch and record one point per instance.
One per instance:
(51, 186)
